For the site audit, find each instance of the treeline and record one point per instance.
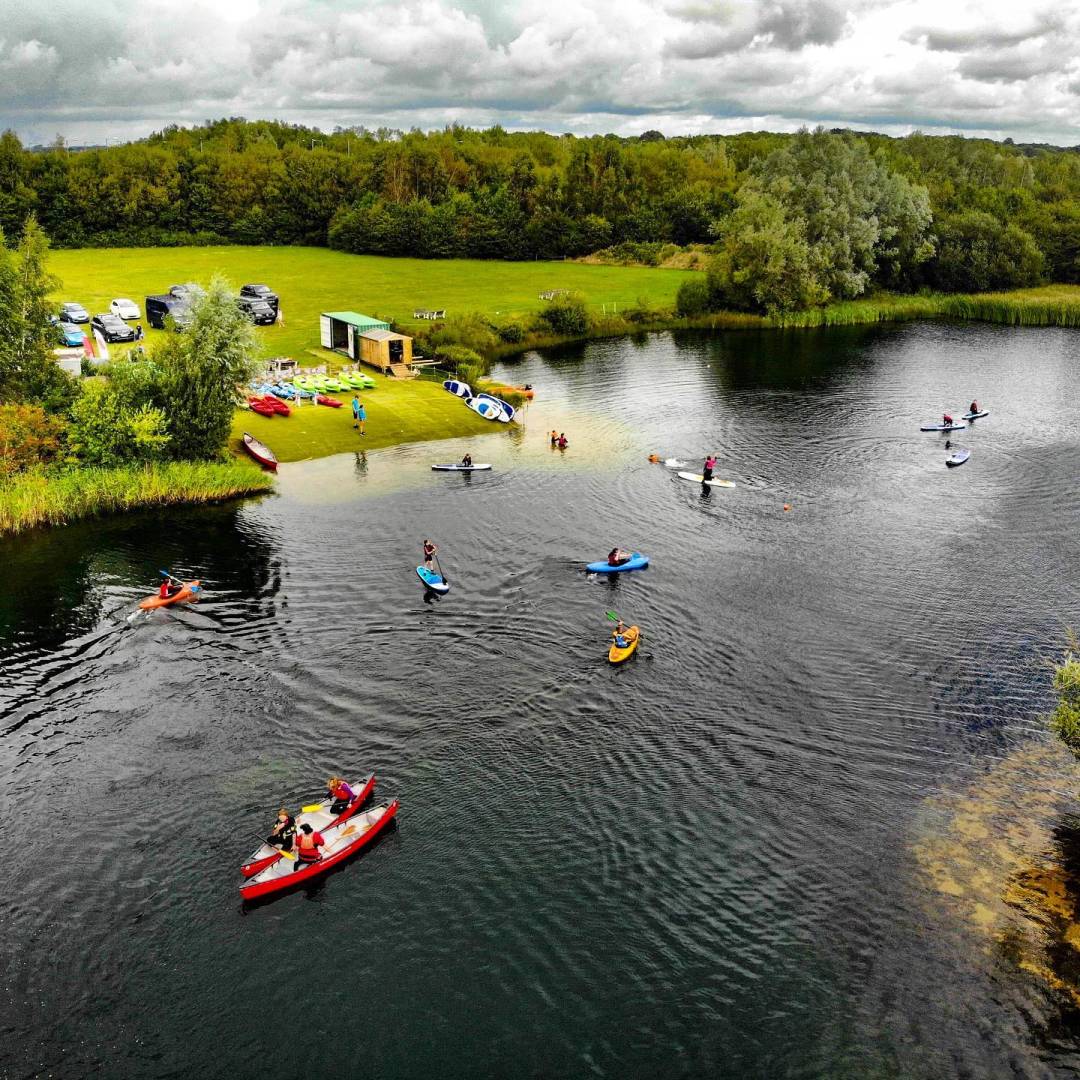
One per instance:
(796, 219)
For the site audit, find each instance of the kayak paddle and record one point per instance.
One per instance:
(282, 853)
(311, 809)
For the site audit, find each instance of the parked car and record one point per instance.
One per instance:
(261, 292)
(112, 328)
(187, 292)
(167, 306)
(258, 311)
(125, 309)
(67, 333)
(74, 313)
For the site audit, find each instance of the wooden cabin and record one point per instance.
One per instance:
(385, 350)
(366, 340)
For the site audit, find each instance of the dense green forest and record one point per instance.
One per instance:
(796, 220)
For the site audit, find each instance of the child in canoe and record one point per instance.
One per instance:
(283, 831)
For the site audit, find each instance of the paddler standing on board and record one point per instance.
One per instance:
(430, 551)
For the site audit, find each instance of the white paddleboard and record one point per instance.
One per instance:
(460, 468)
(697, 478)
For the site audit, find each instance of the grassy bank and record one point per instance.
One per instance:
(31, 500)
(312, 280)
(397, 412)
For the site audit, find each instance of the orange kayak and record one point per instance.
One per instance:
(189, 591)
(616, 654)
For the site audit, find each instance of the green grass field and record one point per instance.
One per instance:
(397, 412)
(313, 280)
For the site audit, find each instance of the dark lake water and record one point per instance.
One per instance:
(755, 850)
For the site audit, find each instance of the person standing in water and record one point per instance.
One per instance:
(562, 441)
(554, 438)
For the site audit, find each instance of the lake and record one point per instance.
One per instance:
(804, 832)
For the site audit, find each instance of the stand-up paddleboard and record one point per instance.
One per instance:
(697, 478)
(976, 415)
(506, 410)
(432, 580)
(637, 561)
(956, 425)
(460, 468)
(461, 389)
(486, 407)
(957, 457)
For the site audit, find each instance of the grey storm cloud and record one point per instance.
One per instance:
(95, 69)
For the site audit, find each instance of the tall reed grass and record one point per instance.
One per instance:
(45, 497)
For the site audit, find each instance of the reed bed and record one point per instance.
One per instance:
(40, 498)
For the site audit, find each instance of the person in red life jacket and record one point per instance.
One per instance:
(341, 793)
(616, 557)
(707, 468)
(974, 407)
(283, 832)
(947, 419)
(308, 842)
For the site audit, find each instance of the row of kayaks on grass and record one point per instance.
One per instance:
(267, 871)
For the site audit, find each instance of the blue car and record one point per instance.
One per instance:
(67, 333)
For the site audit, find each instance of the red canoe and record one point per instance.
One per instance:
(343, 840)
(187, 592)
(322, 399)
(260, 452)
(277, 405)
(266, 854)
(260, 406)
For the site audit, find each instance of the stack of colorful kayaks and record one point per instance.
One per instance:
(267, 871)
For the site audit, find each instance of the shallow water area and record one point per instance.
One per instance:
(754, 849)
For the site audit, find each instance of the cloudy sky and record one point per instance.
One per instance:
(97, 70)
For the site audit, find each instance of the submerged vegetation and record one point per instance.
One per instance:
(38, 497)
(1065, 719)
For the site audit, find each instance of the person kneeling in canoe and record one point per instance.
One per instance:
(341, 793)
(308, 842)
(283, 832)
(616, 557)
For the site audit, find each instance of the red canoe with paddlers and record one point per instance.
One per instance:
(260, 452)
(318, 816)
(343, 840)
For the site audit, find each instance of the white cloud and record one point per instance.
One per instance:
(93, 69)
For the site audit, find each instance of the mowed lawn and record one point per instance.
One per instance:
(313, 280)
(397, 411)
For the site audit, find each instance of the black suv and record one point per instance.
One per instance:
(112, 328)
(260, 292)
(258, 311)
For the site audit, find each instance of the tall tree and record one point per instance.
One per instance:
(202, 371)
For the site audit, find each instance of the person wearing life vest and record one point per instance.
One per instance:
(974, 407)
(165, 592)
(308, 842)
(616, 557)
(341, 793)
(947, 419)
(283, 832)
(619, 634)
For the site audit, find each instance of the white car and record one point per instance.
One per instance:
(124, 308)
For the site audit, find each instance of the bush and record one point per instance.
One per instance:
(512, 333)
(471, 330)
(1065, 719)
(457, 357)
(108, 430)
(28, 437)
(693, 298)
(641, 312)
(566, 316)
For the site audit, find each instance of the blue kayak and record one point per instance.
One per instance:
(432, 580)
(637, 561)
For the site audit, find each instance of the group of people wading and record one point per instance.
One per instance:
(287, 835)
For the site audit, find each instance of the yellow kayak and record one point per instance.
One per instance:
(616, 654)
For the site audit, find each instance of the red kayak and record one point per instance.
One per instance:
(188, 591)
(259, 405)
(320, 820)
(343, 840)
(322, 399)
(277, 405)
(260, 452)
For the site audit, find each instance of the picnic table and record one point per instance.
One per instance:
(551, 294)
(425, 313)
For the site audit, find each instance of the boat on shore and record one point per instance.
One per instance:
(260, 452)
